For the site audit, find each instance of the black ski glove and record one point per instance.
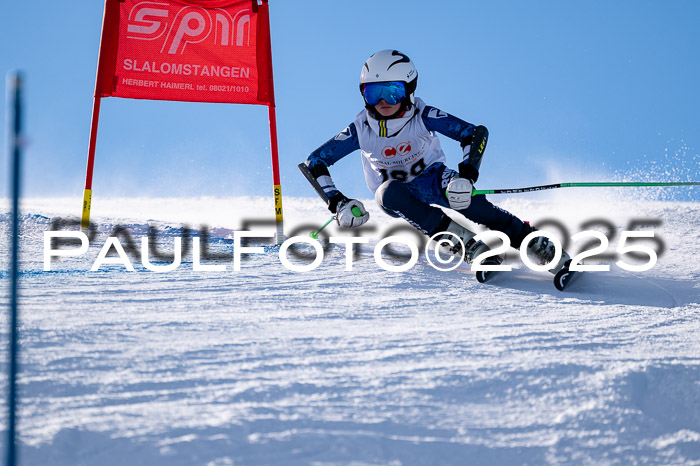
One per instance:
(468, 171)
(335, 199)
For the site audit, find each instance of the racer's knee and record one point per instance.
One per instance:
(391, 196)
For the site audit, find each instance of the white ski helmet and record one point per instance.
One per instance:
(390, 65)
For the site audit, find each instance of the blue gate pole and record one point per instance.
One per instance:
(15, 84)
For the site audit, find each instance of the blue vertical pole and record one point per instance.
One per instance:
(15, 83)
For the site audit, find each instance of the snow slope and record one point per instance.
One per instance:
(270, 366)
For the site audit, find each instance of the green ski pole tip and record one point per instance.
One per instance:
(314, 234)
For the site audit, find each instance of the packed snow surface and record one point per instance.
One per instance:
(266, 365)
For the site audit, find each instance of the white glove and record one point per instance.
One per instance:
(351, 214)
(459, 193)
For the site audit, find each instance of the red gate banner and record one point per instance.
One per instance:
(186, 50)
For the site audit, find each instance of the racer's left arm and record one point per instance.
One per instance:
(471, 137)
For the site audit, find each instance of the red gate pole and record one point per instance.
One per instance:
(104, 81)
(87, 196)
(265, 40)
(279, 221)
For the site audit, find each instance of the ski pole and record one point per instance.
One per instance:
(314, 234)
(578, 185)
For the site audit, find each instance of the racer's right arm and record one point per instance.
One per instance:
(329, 153)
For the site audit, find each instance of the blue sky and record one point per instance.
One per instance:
(570, 91)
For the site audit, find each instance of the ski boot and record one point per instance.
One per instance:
(540, 250)
(472, 249)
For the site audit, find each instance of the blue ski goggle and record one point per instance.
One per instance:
(392, 92)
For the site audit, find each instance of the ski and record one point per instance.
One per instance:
(564, 277)
(482, 276)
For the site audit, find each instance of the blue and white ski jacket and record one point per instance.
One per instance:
(399, 148)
